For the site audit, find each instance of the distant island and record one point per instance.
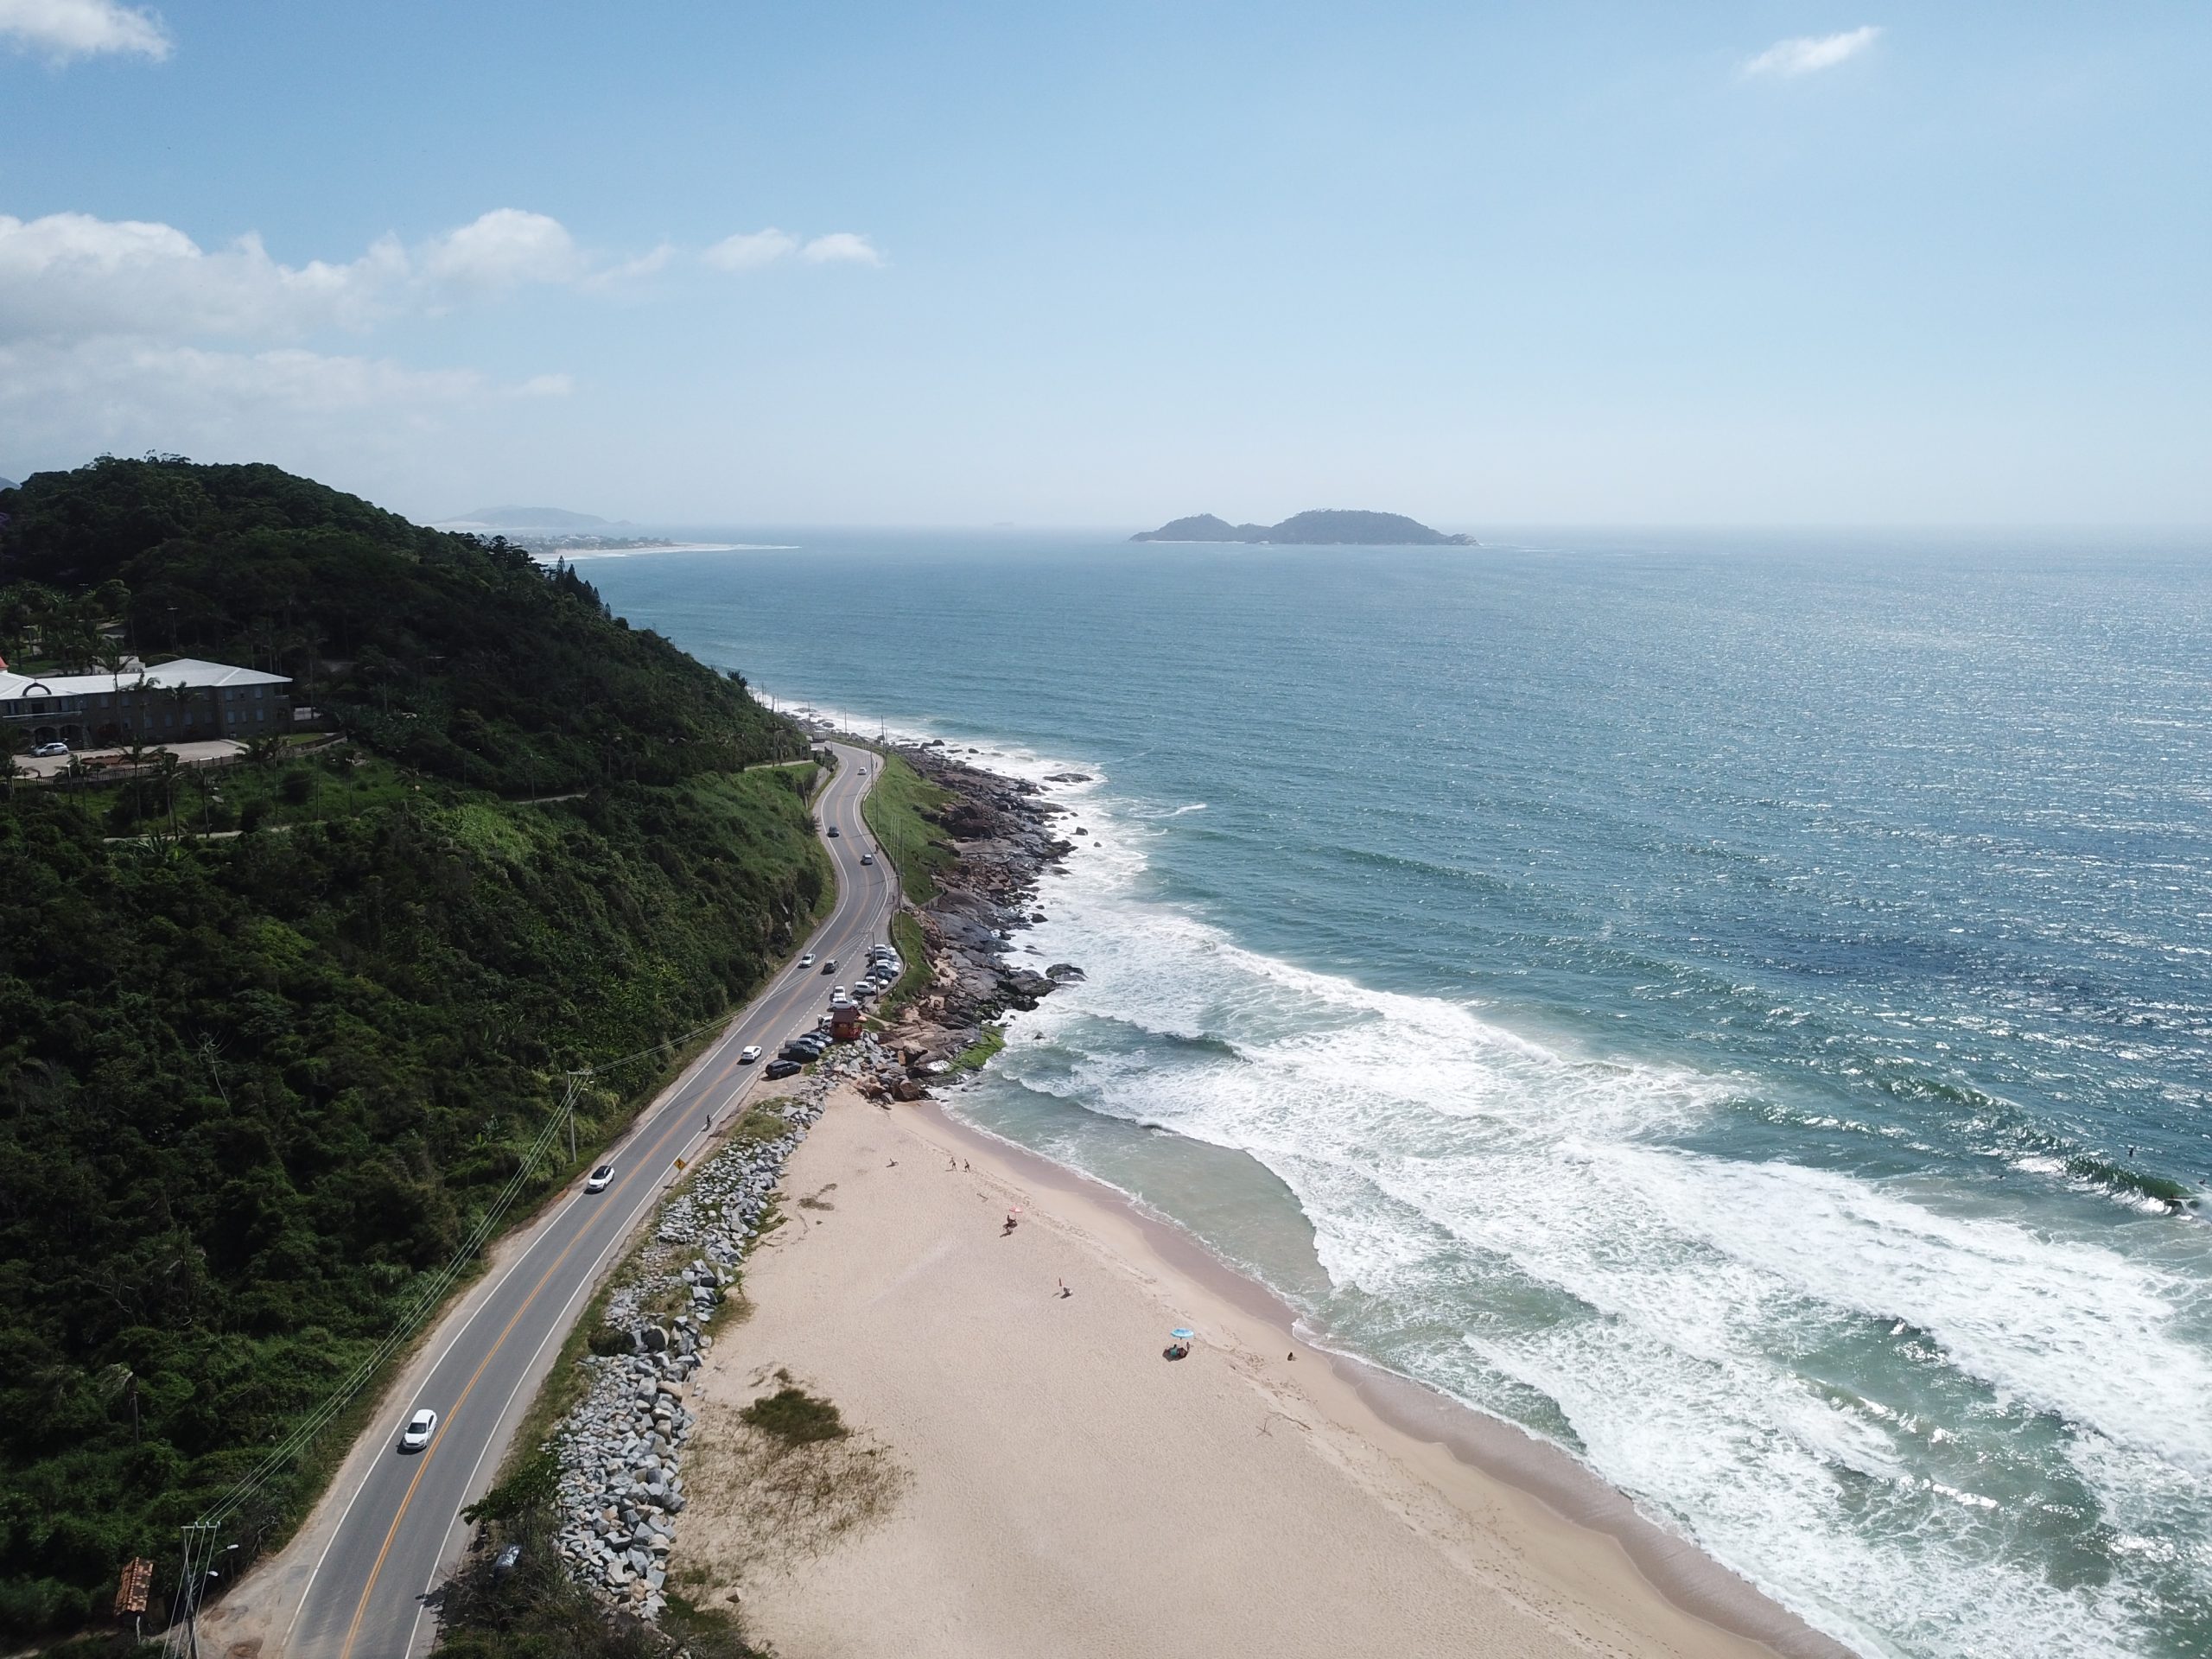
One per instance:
(6, 483)
(1328, 528)
(526, 519)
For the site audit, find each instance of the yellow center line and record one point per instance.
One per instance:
(360, 1611)
(376, 1571)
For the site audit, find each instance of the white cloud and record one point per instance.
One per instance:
(546, 386)
(1808, 54)
(749, 250)
(631, 271)
(82, 29)
(70, 276)
(502, 250)
(842, 247)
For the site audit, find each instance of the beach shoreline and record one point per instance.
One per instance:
(868, 1301)
(1412, 1417)
(1010, 834)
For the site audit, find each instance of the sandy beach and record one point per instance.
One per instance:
(1026, 1473)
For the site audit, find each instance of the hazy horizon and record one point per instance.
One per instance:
(1756, 263)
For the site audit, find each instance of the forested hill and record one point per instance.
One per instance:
(254, 1088)
(459, 657)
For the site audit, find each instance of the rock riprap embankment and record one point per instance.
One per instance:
(621, 1450)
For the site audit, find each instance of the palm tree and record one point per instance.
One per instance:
(182, 698)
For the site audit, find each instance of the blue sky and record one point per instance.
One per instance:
(1759, 262)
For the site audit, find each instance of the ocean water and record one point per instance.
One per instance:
(1739, 1006)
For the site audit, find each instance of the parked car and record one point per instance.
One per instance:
(749, 1053)
(420, 1427)
(782, 1069)
(600, 1179)
(51, 749)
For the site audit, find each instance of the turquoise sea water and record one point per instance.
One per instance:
(1736, 1005)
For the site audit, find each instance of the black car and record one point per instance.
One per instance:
(833, 832)
(783, 1068)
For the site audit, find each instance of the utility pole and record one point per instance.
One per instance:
(184, 1636)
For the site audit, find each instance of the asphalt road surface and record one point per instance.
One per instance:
(400, 1529)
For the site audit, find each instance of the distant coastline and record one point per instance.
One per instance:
(1326, 527)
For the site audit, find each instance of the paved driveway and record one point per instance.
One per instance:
(211, 751)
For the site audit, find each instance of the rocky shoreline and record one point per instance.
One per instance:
(621, 1450)
(1004, 833)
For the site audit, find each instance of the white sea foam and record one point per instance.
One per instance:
(1460, 1174)
(1454, 1167)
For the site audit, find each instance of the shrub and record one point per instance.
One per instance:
(297, 786)
(796, 1417)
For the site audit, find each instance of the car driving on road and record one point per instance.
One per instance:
(807, 961)
(833, 830)
(420, 1427)
(749, 1053)
(867, 858)
(830, 966)
(600, 1177)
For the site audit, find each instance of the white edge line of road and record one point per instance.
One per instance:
(491, 1285)
(485, 1294)
(560, 1328)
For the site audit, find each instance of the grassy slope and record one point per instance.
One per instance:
(894, 810)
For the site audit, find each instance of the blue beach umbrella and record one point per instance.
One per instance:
(1181, 1334)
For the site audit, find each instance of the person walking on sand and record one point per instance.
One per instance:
(1012, 1217)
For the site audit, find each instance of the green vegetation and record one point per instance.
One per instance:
(533, 1610)
(254, 1090)
(897, 810)
(795, 1417)
(464, 659)
(978, 1053)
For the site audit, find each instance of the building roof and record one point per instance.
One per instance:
(185, 671)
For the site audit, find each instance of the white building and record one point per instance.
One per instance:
(169, 702)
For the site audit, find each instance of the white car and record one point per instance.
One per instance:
(749, 1053)
(867, 858)
(600, 1179)
(420, 1427)
(807, 961)
(44, 749)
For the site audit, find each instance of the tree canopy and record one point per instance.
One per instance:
(253, 1091)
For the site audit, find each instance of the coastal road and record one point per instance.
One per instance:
(399, 1530)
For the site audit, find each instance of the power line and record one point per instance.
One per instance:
(199, 1545)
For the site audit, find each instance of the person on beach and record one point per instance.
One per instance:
(1012, 1217)
(1064, 1291)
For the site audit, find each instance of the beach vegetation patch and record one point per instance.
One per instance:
(796, 1417)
